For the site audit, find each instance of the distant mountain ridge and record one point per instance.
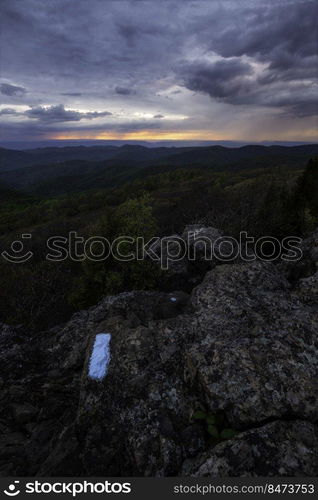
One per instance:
(62, 170)
(29, 145)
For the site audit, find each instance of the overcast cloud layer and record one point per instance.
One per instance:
(148, 69)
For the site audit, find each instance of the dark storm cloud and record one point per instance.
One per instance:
(264, 30)
(280, 36)
(221, 79)
(234, 82)
(8, 111)
(158, 117)
(11, 90)
(85, 42)
(60, 114)
(95, 114)
(132, 32)
(129, 33)
(54, 114)
(301, 104)
(71, 94)
(124, 91)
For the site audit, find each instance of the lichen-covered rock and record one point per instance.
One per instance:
(255, 354)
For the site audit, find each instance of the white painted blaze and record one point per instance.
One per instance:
(100, 358)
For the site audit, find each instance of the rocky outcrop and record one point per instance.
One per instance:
(188, 256)
(242, 349)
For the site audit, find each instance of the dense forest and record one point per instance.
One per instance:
(274, 194)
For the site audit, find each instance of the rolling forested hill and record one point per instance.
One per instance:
(138, 191)
(55, 171)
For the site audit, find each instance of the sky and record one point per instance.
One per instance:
(158, 70)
